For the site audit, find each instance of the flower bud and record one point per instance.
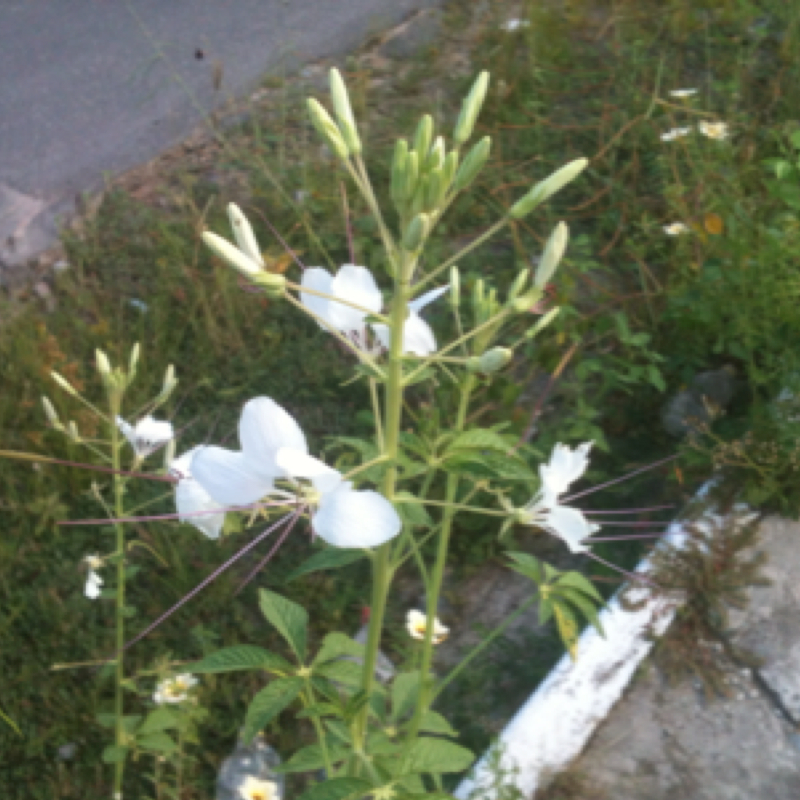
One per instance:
(63, 383)
(544, 189)
(133, 361)
(478, 301)
(491, 361)
(542, 323)
(103, 364)
(235, 257)
(434, 190)
(327, 128)
(418, 203)
(518, 285)
(435, 159)
(272, 282)
(471, 108)
(553, 252)
(72, 432)
(449, 168)
(399, 168)
(473, 164)
(344, 112)
(243, 234)
(423, 137)
(455, 286)
(52, 416)
(412, 175)
(416, 232)
(527, 301)
(170, 382)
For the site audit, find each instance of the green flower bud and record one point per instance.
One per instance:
(52, 416)
(449, 168)
(518, 285)
(494, 360)
(133, 362)
(553, 252)
(471, 108)
(243, 233)
(170, 382)
(435, 159)
(344, 112)
(423, 137)
(418, 203)
(327, 128)
(399, 169)
(473, 164)
(235, 257)
(548, 187)
(412, 175)
(416, 232)
(434, 190)
(63, 383)
(478, 301)
(527, 301)
(103, 364)
(273, 283)
(455, 286)
(72, 431)
(542, 323)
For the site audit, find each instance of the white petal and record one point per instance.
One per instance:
(264, 428)
(565, 467)
(93, 584)
(569, 525)
(230, 478)
(418, 337)
(243, 233)
(356, 285)
(297, 464)
(347, 518)
(190, 498)
(319, 280)
(423, 300)
(381, 331)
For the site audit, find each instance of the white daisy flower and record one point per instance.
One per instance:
(191, 498)
(357, 285)
(416, 625)
(675, 133)
(714, 130)
(676, 229)
(147, 435)
(683, 92)
(174, 690)
(255, 789)
(93, 581)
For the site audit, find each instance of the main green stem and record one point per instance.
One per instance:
(119, 766)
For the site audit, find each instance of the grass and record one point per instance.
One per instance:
(643, 310)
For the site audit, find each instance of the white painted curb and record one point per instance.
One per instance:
(555, 723)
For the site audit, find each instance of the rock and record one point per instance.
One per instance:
(707, 395)
(408, 39)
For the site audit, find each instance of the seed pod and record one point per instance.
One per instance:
(518, 285)
(416, 232)
(472, 164)
(449, 169)
(412, 175)
(548, 187)
(455, 286)
(470, 109)
(327, 128)
(435, 159)
(344, 112)
(235, 257)
(423, 137)
(399, 168)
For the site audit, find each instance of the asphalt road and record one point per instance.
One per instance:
(95, 86)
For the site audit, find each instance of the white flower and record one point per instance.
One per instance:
(512, 25)
(147, 436)
(93, 581)
(544, 511)
(343, 517)
(174, 690)
(357, 285)
(675, 133)
(683, 92)
(714, 130)
(416, 624)
(191, 498)
(240, 478)
(255, 789)
(676, 229)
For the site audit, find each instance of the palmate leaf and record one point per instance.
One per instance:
(438, 756)
(240, 657)
(269, 702)
(433, 722)
(405, 689)
(483, 439)
(290, 619)
(574, 580)
(312, 757)
(488, 464)
(348, 673)
(335, 645)
(337, 789)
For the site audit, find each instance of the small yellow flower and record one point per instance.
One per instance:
(714, 130)
(254, 789)
(676, 229)
(416, 626)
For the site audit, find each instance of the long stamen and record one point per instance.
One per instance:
(631, 576)
(48, 460)
(639, 524)
(626, 538)
(282, 241)
(592, 512)
(623, 478)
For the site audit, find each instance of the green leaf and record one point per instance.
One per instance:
(130, 722)
(434, 722)
(568, 628)
(329, 558)
(290, 619)
(405, 689)
(311, 758)
(484, 439)
(438, 755)
(585, 606)
(411, 511)
(545, 611)
(158, 742)
(491, 464)
(239, 657)
(319, 710)
(348, 673)
(269, 702)
(335, 645)
(106, 720)
(337, 789)
(575, 580)
(158, 719)
(411, 783)
(528, 566)
(114, 754)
